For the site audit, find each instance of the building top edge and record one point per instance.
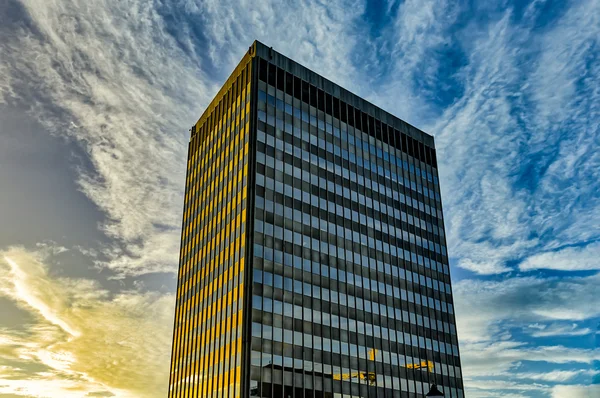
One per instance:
(261, 50)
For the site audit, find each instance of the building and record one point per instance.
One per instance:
(313, 258)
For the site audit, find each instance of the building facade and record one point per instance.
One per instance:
(313, 258)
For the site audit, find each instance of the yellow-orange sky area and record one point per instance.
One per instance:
(70, 338)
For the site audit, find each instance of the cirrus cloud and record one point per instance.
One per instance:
(585, 258)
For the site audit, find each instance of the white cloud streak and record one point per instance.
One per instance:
(579, 391)
(557, 376)
(557, 329)
(24, 282)
(496, 359)
(568, 259)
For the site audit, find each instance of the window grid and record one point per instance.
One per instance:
(293, 286)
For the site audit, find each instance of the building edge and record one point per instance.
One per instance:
(250, 210)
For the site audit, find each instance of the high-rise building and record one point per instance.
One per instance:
(313, 258)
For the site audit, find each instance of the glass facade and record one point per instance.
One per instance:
(206, 358)
(347, 286)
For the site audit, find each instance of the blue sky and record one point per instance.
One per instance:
(96, 98)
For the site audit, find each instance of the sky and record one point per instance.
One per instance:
(96, 99)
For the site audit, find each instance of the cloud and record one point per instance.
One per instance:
(491, 388)
(5, 84)
(515, 151)
(495, 370)
(107, 74)
(556, 376)
(489, 312)
(497, 358)
(323, 36)
(110, 78)
(483, 307)
(579, 391)
(556, 329)
(483, 268)
(28, 286)
(584, 258)
(477, 155)
(407, 59)
(83, 340)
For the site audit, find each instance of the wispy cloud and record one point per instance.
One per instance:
(506, 193)
(584, 258)
(408, 61)
(323, 36)
(558, 376)
(484, 306)
(478, 137)
(131, 84)
(490, 316)
(557, 329)
(83, 339)
(577, 391)
(28, 286)
(110, 78)
(496, 359)
(511, 389)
